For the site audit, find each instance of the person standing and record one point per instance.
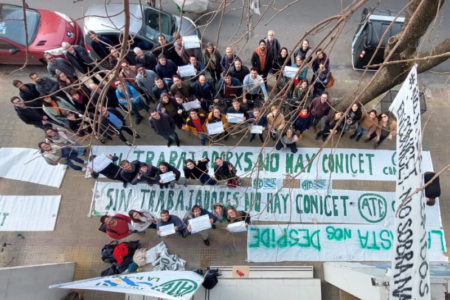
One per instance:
(320, 107)
(46, 86)
(127, 94)
(238, 70)
(258, 119)
(262, 59)
(164, 126)
(30, 115)
(273, 46)
(196, 124)
(254, 89)
(167, 219)
(227, 60)
(198, 211)
(59, 64)
(81, 60)
(100, 44)
(387, 128)
(145, 80)
(329, 126)
(166, 69)
(113, 122)
(211, 61)
(368, 123)
(117, 227)
(303, 122)
(28, 93)
(147, 59)
(234, 216)
(275, 122)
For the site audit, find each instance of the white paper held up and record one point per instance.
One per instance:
(199, 224)
(166, 230)
(215, 128)
(237, 227)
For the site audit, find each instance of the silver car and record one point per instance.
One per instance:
(108, 20)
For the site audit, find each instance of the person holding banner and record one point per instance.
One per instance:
(198, 211)
(168, 219)
(234, 216)
(196, 124)
(224, 170)
(198, 170)
(167, 174)
(387, 128)
(141, 220)
(216, 116)
(255, 119)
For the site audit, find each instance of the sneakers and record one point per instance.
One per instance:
(358, 137)
(206, 242)
(318, 136)
(352, 136)
(178, 143)
(83, 169)
(169, 143)
(125, 184)
(128, 143)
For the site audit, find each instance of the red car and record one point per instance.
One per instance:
(46, 30)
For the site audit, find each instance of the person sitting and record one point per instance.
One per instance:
(130, 171)
(196, 124)
(54, 154)
(141, 220)
(275, 122)
(256, 118)
(224, 170)
(288, 139)
(165, 168)
(167, 219)
(104, 164)
(198, 211)
(198, 170)
(329, 125)
(116, 227)
(234, 216)
(147, 174)
(303, 122)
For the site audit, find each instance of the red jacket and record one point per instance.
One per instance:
(121, 230)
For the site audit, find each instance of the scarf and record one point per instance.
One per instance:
(58, 110)
(262, 57)
(303, 116)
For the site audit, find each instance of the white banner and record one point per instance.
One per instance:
(336, 242)
(341, 164)
(288, 205)
(27, 164)
(28, 213)
(161, 284)
(410, 270)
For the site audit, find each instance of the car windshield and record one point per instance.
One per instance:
(12, 25)
(151, 28)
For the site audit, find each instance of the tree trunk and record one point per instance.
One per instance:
(403, 46)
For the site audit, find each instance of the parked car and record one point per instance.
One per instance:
(368, 35)
(46, 30)
(108, 20)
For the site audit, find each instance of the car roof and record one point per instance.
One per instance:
(94, 21)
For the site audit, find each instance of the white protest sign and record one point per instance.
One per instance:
(305, 205)
(235, 117)
(27, 164)
(190, 105)
(199, 224)
(167, 177)
(215, 128)
(177, 285)
(256, 129)
(336, 242)
(290, 71)
(237, 227)
(186, 70)
(191, 42)
(28, 213)
(166, 229)
(336, 164)
(410, 270)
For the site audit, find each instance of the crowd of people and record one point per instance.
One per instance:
(83, 97)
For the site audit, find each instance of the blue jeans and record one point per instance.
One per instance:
(170, 137)
(205, 179)
(360, 131)
(70, 154)
(202, 137)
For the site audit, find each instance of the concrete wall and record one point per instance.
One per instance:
(31, 282)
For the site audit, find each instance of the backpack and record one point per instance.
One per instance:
(211, 280)
(107, 252)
